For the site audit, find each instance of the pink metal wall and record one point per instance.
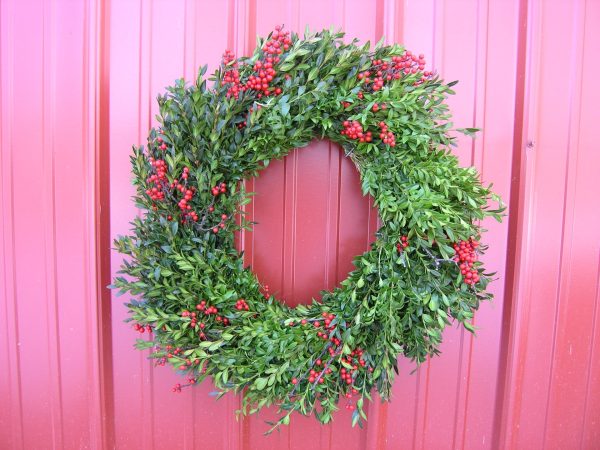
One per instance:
(77, 89)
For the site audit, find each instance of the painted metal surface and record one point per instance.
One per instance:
(78, 82)
(553, 381)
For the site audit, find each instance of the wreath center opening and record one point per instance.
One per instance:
(311, 221)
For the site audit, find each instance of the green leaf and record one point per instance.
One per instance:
(142, 344)
(468, 131)
(260, 383)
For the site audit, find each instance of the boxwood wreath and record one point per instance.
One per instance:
(209, 316)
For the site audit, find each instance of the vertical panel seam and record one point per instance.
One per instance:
(99, 167)
(250, 27)
(338, 220)
(185, 14)
(328, 221)
(509, 363)
(90, 251)
(476, 111)
(399, 20)
(148, 363)
(475, 80)
(145, 101)
(49, 235)
(591, 353)
(231, 25)
(588, 383)
(426, 403)
(461, 351)
(145, 432)
(379, 19)
(294, 220)
(189, 430)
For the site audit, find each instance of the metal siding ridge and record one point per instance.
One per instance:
(13, 386)
(49, 230)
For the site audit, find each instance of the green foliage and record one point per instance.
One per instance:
(393, 303)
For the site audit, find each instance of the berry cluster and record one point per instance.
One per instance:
(263, 70)
(354, 130)
(161, 144)
(231, 75)
(185, 363)
(141, 328)
(466, 255)
(383, 71)
(241, 305)
(328, 318)
(327, 324)
(159, 189)
(349, 365)
(381, 106)
(260, 80)
(208, 311)
(188, 195)
(192, 315)
(377, 78)
(191, 380)
(221, 224)
(280, 41)
(352, 365)
(266, 291)
(157, 179)
(318, 376)
(386, 136)
(264, 75)
(220, 189)
(402, 244)
(173, 352)
(412, 64)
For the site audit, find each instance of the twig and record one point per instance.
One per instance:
(308, 371)
(437, 261)
(325, 367)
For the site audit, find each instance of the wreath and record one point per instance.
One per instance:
(209, 316)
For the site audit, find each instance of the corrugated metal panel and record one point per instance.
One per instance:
(50, 383)
(554, 384)
(78, 86)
